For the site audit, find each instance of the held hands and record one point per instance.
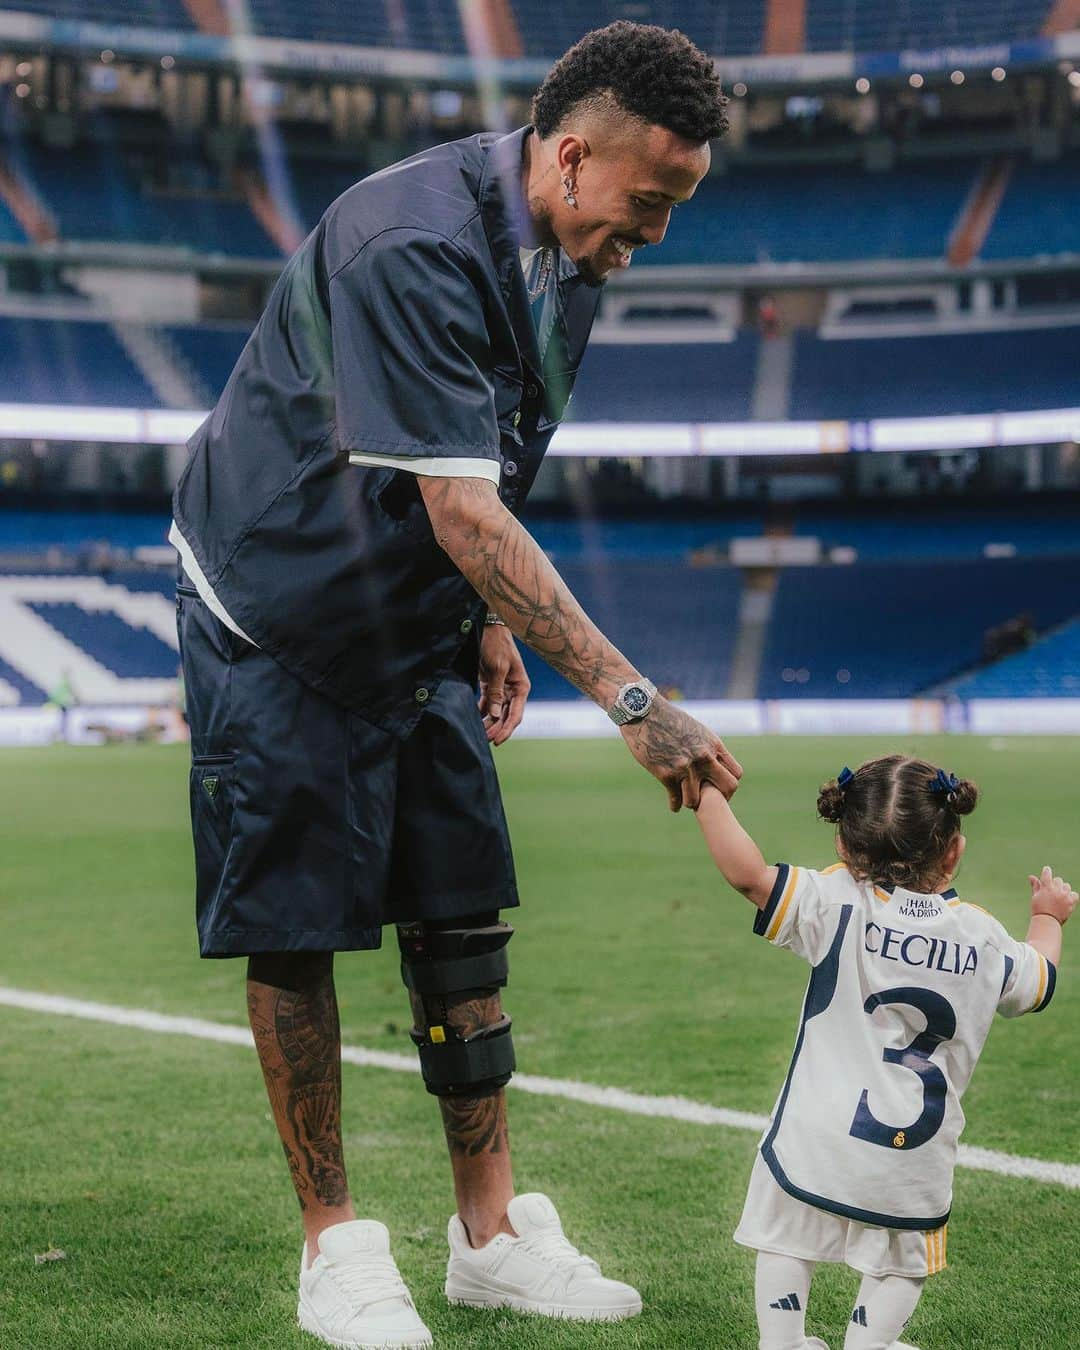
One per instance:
(504, 685)
(1052, 896)
(681, 753)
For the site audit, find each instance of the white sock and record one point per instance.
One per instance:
(882, 1308)
(781, 1288)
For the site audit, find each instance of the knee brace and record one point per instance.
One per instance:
(444, 968)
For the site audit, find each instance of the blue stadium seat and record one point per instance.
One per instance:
(890, 630)
(28, 692)
(676, 622)
(210, 351)
(132, 653)
(11, 232)
(722, 27)
(95, 194)
(1040, 212)
(928, 376)
(36, 531)
(883, 25)
(171, 14)
(667, 382)
(1048, 669)
(957, 534)
(427, 25)
(316, 183)
(53, 361)
(824, 213)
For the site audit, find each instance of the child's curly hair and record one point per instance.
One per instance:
(896, 819)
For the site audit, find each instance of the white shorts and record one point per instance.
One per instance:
(773, 1221)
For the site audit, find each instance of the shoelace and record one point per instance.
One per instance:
(558, 1251)
(372, 1279)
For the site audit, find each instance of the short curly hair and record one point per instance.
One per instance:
(656, 74)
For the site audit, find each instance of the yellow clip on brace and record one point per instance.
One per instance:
(438, 1035)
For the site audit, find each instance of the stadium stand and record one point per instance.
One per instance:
(77, 361)
(209, 351)
(891, 630)
(935, 374)
(11, 232)
(52, 361)
(819, 213)
(882, 25)
(1048, 669)
(37, 531)
(1040, 212)
(113, 643)
(679, 622)
(124, 649)
(316, 183)
(15, 688)
(911, 534)
(427, 25)
(694, 382)
(97, 192)
(142, 13)
(663, 382)
(945, 535)
(733, 27)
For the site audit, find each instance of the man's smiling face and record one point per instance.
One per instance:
(626, 178)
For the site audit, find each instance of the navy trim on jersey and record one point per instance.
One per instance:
(819, 994)
(1009, 963)
(764, 916)
(1051, 981)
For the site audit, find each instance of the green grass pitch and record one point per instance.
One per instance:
(151, 1161)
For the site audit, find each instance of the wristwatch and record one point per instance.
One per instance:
(633, 702)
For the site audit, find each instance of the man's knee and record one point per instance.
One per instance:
(295, 971)
(454, 972)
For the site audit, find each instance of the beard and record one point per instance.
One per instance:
(589, 273)
(544, 228)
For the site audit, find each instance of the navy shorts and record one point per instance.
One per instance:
(314, 828)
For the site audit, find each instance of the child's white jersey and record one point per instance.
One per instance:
(899, 1004)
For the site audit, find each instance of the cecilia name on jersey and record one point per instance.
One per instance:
(916, 949)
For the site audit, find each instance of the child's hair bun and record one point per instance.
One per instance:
(965, 798)
(830, 802)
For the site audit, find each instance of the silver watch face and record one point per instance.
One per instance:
(635, 699)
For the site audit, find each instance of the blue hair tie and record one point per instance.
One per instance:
(944, 784)
(844, 778)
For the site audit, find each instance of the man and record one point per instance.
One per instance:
(352, 566)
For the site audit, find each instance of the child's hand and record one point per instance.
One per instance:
(1051, 895)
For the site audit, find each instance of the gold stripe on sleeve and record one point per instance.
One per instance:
(782, 908)
(1043, 977)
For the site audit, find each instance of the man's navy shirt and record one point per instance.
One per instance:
(398, 340)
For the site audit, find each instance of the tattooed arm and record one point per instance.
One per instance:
(503, 562)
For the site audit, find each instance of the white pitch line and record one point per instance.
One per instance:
(590, 1094)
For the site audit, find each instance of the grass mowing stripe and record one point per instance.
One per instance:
(616, 1099)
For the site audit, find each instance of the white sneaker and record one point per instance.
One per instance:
(538, 1271)
(352, 1294)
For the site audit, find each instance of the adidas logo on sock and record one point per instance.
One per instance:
(859, 1316)
(789, 1303)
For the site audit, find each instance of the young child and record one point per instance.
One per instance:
(857, 1162)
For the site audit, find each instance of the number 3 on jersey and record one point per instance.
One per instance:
(940, 1026)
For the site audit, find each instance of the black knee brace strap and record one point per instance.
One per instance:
(445, 966)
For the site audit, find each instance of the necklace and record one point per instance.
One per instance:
(547, 261)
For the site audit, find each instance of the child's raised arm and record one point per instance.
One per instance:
(733, 851)
(1052, 901)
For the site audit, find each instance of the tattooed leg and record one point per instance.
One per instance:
(293, 1012)
(476, 1131)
